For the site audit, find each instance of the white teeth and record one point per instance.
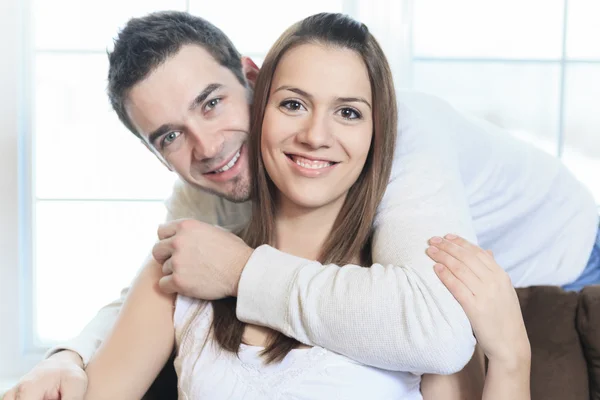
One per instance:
(304, 163)
(229, 164)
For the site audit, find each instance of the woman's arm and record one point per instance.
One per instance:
(139, 345)
(486, 293)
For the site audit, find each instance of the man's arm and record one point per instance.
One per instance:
(90, 338)
(61, 373)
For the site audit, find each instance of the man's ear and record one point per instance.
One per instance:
(156, 154)
(250, 70)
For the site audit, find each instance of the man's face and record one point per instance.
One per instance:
(193, 114)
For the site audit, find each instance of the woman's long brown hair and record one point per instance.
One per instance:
(358, 211)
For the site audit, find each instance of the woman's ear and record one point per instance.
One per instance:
(250, 70)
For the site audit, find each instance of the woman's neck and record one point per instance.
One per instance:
(303, 231)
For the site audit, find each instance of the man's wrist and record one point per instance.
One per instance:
(240, 264)
(68, 355)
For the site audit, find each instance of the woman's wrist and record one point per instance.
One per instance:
(517, 361)
(509, 378)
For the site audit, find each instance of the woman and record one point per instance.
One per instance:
(324, 126)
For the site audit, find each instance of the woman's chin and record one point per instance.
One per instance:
(311, 201)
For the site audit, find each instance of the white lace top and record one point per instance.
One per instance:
(207, 372)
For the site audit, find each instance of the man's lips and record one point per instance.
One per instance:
(226, 165)
(237, 164)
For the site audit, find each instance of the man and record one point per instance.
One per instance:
(178, 84)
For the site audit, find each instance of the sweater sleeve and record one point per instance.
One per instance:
(88, 341)
(397, 314)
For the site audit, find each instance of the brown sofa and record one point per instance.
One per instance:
(564, 331)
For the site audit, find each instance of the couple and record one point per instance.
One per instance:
(186, 97)
(320, 152)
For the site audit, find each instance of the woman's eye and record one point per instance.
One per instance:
(292, 105)
(170, 138)
(212, 104)
(350, 113)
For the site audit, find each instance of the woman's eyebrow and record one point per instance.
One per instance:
(352, 100)
(309, 96)
(295, 90)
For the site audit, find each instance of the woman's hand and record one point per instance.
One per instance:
(485, 292)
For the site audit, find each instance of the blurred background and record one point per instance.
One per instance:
(81, 198)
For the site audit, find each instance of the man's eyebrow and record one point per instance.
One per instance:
(204, 95)
(160, 131)
(352, 100)
(295, 90)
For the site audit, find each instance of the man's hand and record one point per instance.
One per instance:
(200, 260)
(61, 376)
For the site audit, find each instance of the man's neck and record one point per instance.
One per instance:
(303, 231)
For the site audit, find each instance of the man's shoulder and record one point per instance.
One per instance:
(425, 107)
(187, 201)
(424, 121)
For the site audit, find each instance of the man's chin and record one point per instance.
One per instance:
(235, 196)
(239, 192)
(236, 191)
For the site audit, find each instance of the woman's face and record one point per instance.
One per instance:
(318, 124)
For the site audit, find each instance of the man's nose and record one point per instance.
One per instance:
(206, 145)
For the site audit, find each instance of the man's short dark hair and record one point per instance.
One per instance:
(147, 42)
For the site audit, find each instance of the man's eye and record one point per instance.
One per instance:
(292, 105)
(170, 138)
(212, 104)
(349, 113)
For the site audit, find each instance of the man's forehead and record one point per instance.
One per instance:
(190, 64)
(179, 80)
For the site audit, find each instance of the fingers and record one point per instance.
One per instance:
(167, 285)
(25, 390)
(459, 269)
(163, 250)
(167, 267)
(463, 251)
(168, 229)
(462, 243)
(73, 388)
(485, 256)
(459, 290)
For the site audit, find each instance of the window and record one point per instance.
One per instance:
(532, 67)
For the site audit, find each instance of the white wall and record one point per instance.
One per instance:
(10, 54)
